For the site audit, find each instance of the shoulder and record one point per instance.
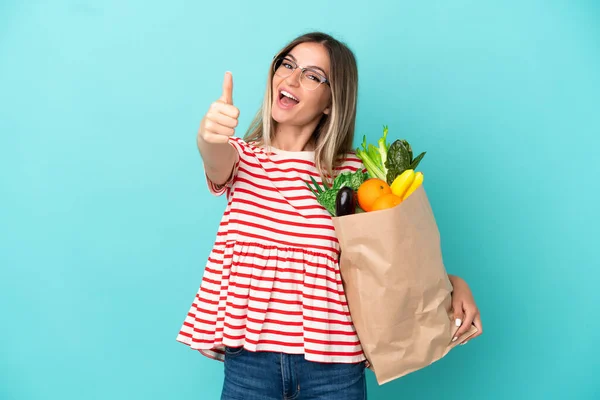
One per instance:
(246, 149)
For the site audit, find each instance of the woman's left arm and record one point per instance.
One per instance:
(465, 309)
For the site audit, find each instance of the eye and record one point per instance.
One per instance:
(313, 76)
(288, 64)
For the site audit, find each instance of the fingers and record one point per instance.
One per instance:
(463, 328)
(459, 317)
(478, 325)
(227, 95)
(466, 323)
(225, 109)
(222, 119)
(215, 128)
(215, 138)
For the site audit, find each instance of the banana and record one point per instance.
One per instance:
(415, 184)
(403, 182)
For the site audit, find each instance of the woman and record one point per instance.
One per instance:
(271, 304)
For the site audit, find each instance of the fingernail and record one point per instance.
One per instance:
(462, 344)
(458, 322)
(455, 339)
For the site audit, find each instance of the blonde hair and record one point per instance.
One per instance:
(334, 134)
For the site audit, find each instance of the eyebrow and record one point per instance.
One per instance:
(308, 66)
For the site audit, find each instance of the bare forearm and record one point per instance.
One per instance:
(218, 158)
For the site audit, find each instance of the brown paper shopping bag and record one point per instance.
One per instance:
(396, 286)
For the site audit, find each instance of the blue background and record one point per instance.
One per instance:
(106, 222)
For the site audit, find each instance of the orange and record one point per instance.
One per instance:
(371, 190)
(386, 201)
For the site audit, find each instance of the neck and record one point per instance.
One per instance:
(294, 138)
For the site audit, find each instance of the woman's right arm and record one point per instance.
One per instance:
(217, 126)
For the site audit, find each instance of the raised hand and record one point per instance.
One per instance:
(219, 123)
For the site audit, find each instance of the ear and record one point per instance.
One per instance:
(327, 111)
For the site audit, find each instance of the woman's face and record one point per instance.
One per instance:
(306, 106)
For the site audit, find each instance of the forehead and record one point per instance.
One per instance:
(311, 54)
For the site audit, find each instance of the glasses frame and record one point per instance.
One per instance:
(279, 60)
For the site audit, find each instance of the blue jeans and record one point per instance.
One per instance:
(276, 376)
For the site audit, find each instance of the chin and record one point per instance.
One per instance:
(285, 117)
(280, 116)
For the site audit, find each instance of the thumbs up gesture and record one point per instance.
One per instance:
(222, 117)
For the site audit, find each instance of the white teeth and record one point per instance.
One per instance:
(287, 94)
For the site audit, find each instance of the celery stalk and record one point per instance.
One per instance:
(374, 157)
(383, 148)
(372, 168)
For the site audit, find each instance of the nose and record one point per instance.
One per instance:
(294, 78)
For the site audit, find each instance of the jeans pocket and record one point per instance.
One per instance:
(232, 352)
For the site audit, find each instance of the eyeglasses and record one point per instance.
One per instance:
(310, 79)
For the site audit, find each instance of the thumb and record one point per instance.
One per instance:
(227, 96)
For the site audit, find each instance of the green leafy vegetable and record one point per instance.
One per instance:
(374, 158)
(416, 161)
(398, 161)
(327, 196)
(385, 161)
(407, 145)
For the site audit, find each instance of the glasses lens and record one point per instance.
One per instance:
(311, 79)
(284, 67)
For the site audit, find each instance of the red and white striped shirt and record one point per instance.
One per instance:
(272, 281)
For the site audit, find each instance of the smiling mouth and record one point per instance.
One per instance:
(287, 99)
